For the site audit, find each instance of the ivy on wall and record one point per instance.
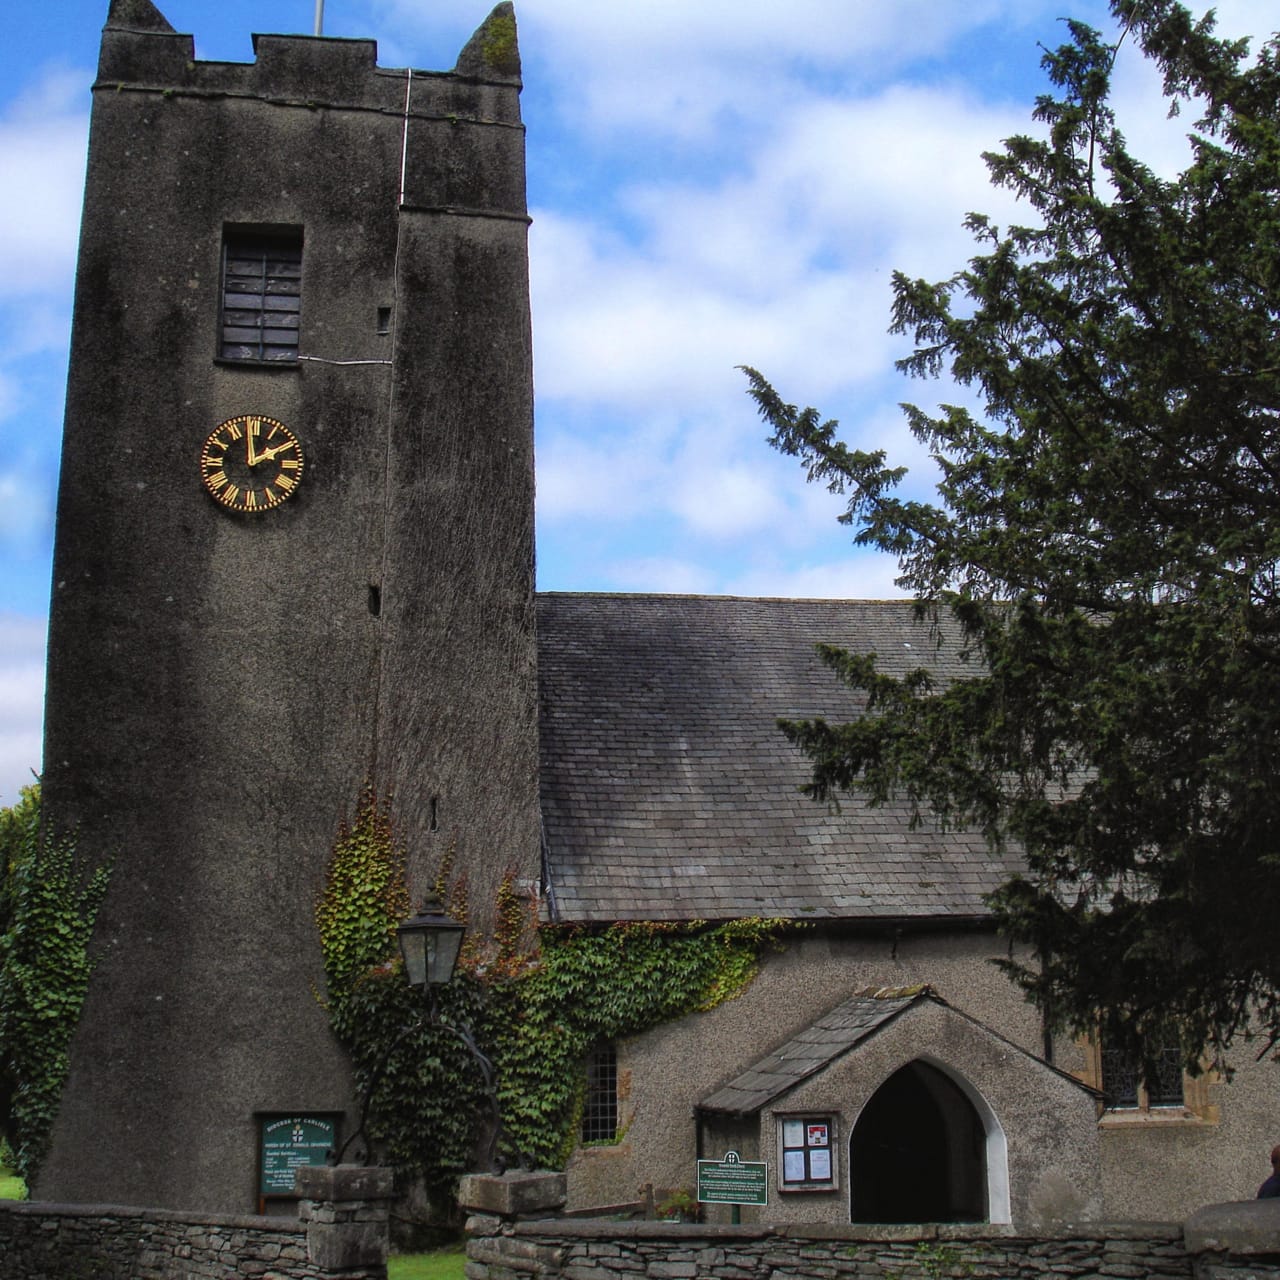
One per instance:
(535, 999)
(48, 904)
(418, 1080)
(592, 986)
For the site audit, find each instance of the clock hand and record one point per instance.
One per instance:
(250, 457)
(268, 454)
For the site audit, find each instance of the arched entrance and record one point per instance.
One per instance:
(918, 1152)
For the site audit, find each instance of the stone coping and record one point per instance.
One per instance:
(235, 1221)
(1242, 1227)
(602, 1229)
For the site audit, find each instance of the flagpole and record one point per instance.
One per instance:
(319, 17)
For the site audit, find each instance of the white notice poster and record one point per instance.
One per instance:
(793, 1166)
(820, 1164)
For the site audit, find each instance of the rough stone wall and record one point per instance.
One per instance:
(221, 684)
(662, 1251)
(341, 1232)
(116, 1243)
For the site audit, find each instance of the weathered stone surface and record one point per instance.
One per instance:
(1240, 1227)
(123, 1243)
(344, 1182)
(346, 1246)
(396, 568)
(512, 1194)
(602, 1250)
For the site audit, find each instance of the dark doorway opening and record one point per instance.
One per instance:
(918, 1152)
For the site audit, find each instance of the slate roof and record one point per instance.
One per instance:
(834, 1034)
(813, 1049)
(668, 792)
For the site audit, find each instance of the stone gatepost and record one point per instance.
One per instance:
(346, 1209)
(1235, 1241)
(494, 1202)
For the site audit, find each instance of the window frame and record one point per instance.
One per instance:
(279, 250)
(1195, 1107)
(602, 1097)
(795, 1137)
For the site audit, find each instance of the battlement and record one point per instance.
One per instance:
(461, 132)
(141, 50)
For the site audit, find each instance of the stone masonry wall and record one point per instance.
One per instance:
(119, 1243)
(340, 1234)
(593, 1250)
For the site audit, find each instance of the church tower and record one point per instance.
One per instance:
(294, 552)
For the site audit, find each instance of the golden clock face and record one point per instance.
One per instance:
(251, 463)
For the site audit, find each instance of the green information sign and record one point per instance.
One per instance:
(733, 1181)
(288, 1144)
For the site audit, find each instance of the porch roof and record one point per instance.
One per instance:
(813, 1049)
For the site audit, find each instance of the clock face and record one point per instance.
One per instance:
(251, 463)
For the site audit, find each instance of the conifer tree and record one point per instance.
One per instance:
(1108, 536)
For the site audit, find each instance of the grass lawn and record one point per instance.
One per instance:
(439, 1264)
(11, 1186)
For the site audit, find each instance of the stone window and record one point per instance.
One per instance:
(808, 1157)
(1123, 1084)
(600, 1111)
(261, 295)
(1172, 1095)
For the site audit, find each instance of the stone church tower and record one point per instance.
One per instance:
(294, 552)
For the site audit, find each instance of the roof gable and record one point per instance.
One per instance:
(811, 1050)
(839, 1031)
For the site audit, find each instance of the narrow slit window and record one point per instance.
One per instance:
(600, 1112)
(261, 296)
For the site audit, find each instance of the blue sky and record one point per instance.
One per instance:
(712, 184)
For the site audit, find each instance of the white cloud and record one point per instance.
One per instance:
(682, 69)
(26, 504)
(786, 268)
(856, 576)
(22, 645)
(42, 148)
(662, 574)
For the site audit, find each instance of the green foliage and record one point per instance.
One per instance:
(364, 897)
(679, 1206)
(603, 986)
(19, 827)
(421, 1085)
(535, 1014)
(932, 1262)
(50, 903)
(11, 1186)
(1108, 539)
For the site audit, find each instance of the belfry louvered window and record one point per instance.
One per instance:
(261, 296)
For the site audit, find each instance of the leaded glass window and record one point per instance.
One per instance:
(600, 1112)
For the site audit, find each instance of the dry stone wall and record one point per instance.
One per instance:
(340, 1234)
(593, 1250)
(120, 1243)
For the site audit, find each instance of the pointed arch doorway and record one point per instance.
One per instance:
(919, 1152)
